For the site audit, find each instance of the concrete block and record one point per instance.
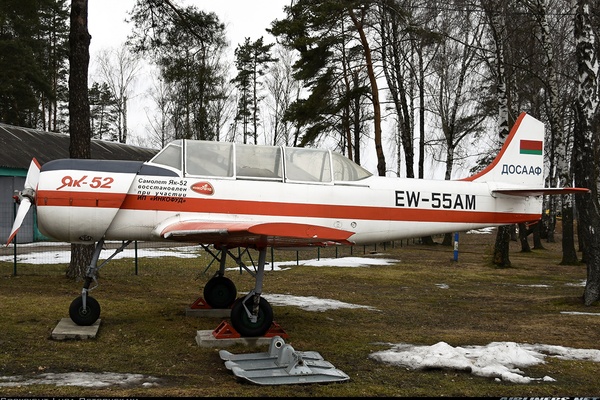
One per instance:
(67, 329)
(207, 339)
(208, 312)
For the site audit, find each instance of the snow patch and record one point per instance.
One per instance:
(83, 379)
(499, 360)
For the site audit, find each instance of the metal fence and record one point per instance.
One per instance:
(34, 258)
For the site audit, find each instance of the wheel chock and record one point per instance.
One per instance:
(226, 331)
(276, 330)
(200, 304)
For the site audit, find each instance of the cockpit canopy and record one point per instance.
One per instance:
(246, 161)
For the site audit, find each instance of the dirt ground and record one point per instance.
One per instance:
(424, 297)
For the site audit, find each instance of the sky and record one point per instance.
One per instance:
(501, 361)
(242, 18)
(107, 26)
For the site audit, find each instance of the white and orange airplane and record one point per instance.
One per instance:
(245, 196)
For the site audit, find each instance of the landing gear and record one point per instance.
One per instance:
(251, 315)
(85, 310)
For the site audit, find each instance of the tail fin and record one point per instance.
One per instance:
(518, 170)
(520, 162)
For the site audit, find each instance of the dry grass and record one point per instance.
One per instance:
(144, 328)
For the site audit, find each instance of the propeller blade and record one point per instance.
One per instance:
(33, 175)
(26, 197)
(21, 213)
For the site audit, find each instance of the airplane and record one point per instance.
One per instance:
(230, 195)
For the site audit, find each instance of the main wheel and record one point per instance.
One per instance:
(84, 316)
(242, 323)
(220, 292)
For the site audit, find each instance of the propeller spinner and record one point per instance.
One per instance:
(26, 197)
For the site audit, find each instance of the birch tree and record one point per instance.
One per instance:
(561, 175)
(587, 140)
(498, 30)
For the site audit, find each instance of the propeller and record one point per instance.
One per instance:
(25, 197)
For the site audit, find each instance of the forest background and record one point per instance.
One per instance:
(413, 80)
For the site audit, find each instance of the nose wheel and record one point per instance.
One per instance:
(84, 315)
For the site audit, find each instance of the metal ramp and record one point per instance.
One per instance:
(282, 365)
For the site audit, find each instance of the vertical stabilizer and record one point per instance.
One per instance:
(521, 159)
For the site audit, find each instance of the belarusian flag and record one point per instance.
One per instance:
(531, 147)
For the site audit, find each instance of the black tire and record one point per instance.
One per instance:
(220, 292)
(241, 322)
(87, 316)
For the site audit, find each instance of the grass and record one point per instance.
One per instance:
(144, 329)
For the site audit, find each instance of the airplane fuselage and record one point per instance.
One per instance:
(121, 200)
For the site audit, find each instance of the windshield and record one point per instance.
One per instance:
(170, 155)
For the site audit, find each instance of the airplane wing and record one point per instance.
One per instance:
(540, 191)
(235, 234)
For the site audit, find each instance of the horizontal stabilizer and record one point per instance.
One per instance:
(524, 192)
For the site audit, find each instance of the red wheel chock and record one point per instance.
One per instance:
(226, 331)
(200, 304)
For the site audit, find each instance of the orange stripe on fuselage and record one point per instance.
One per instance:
(247, 207)
(79, 199)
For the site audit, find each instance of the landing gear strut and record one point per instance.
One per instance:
(252, 314)
(85, 310)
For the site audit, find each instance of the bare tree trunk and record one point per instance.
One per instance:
(569, 255)
(589, 209)
(79, 113)
(537, 240)
(586, 141)
(81, 257)
(397, 70)
(502, 245)
(523, 233)
(425, 239)
(381, 168)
